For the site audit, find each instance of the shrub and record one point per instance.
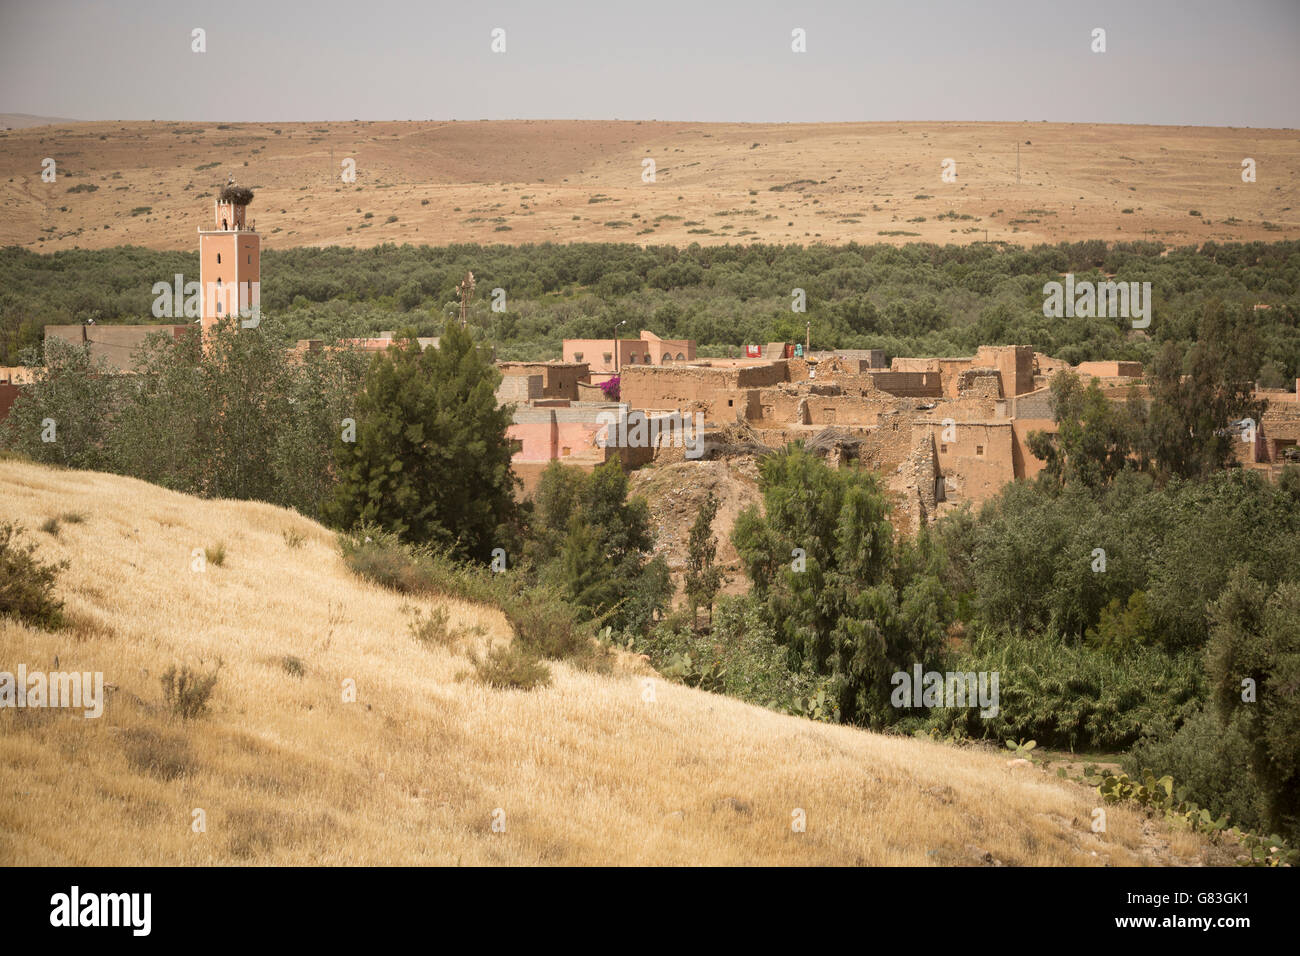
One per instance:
(433, 628)
(27, 584)
(216, 555)
(1210, 761)
(382, 557)
(293, 537)
(549, 627)
(1074, 696)
(293, 665)
(187, 691)
(511, 666)
(51, 526)
(739, 657)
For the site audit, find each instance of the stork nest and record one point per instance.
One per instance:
(239, 195)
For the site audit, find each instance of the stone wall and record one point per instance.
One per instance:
(519, 389)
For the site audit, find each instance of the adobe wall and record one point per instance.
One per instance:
(786, 406)
(978, 460)
(115, 344)
(1110, 369)
(863, 359)
(719, 393)
(1026, 464)
(925, 384)
(559, 379)
(903, 363)
(17, 374)
(8, 395)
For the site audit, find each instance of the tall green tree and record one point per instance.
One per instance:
(1095, 437)
(840, 595)
(1254, 668)
(1196, 395)
(703, 576)
(431, 461)
(66, 416)
(591, 543)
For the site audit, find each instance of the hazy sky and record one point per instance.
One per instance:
(1180, 62)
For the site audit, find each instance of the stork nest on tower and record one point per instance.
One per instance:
(239, 195)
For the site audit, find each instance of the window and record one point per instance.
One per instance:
(516, 446)
(564, 452)
(224, 226)
(577, 356)
(730, 403)
(680, 357)
(218, 258)
(979, 449)
(943, 449)
(608, 358)
(250, 258)
(631, 360)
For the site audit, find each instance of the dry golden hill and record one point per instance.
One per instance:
(586, 771)
(571, 181)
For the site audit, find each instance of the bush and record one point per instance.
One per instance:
(739, 657)
(186, 691)
(511, 667)
(1076, 697)
(1210, 762)
(382, 557)
(549, 627)
(216, 555)
(26, 584)
(431, 629)
(293, 665)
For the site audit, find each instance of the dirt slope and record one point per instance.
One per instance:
(585, 771)
(569, 181)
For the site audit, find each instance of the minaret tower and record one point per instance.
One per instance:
(230, 258)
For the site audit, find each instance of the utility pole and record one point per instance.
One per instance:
(1017, 162)
(807, 338)
(466, 291)
(616, 328)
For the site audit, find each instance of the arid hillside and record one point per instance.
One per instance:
(151, 183)
(585, 771)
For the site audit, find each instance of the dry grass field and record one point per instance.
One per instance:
(586, 771)
(569, 181)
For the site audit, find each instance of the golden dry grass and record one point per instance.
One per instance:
(580, 181)
(586, 771)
